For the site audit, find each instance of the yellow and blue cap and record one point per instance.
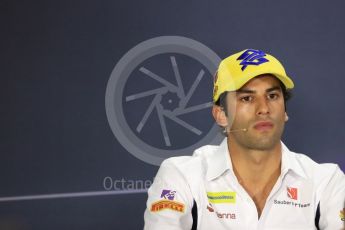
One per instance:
(236, 70)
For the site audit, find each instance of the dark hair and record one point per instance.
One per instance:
(287, 94)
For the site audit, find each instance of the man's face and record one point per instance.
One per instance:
(258, 107)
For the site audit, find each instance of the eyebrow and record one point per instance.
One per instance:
(241, 91)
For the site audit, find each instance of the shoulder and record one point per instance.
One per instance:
(329, 189)
(190, 166)
(312, 167)
(322, 174)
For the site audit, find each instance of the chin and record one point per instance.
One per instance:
(263, 144)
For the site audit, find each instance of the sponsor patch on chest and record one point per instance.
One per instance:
(221, 197)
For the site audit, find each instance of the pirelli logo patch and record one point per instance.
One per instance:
(167, 204)
(221, 197)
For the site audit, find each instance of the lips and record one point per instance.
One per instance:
(263, 125)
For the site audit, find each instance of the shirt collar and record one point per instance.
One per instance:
(220, 161)
(291, 163)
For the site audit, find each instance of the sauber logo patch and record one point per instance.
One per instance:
(221, 197)
(342, 214)
(167, 204)
(292, 193)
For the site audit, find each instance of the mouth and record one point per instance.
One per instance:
(263, 126)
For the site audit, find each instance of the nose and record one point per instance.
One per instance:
(262, 107)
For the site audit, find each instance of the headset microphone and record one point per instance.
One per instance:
(237, 130)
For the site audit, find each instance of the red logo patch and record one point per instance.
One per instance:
(210, 208)
(292, 193)
(221, 215)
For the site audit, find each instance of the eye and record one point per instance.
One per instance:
(246, 99)
(273, 96)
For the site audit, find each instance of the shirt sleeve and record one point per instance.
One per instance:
(169, 201)
(332, 203)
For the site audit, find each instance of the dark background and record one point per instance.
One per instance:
(56, 60)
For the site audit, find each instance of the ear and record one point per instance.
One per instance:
(286, 117)
(219, 116)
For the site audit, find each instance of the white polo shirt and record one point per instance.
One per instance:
(202, 192)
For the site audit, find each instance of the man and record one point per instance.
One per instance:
(251, 180)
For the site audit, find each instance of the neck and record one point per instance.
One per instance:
(256, 170)
(255, 166)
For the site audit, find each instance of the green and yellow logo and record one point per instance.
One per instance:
(342, 214)
(221, 197)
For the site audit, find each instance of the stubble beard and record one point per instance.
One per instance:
(258, 141)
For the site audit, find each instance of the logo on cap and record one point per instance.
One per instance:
(252, 57)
